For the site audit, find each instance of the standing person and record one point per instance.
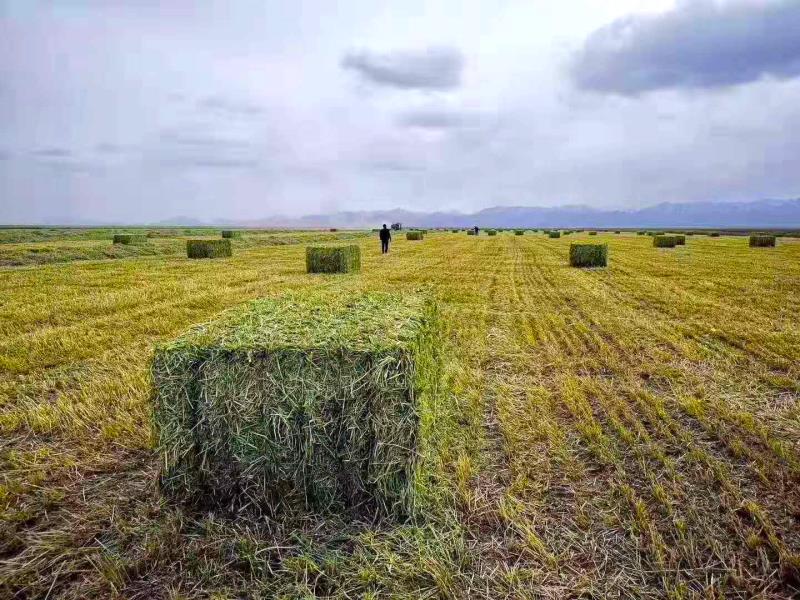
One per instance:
(476, 229)
(386, 237)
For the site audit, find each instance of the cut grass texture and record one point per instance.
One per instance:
(208, 248)
(554, 234)
(129, 238)
(333, 259)
(414, 235)
(664, 241)
(230, 234)
(762, 241)
(301, 402)
(588, 255)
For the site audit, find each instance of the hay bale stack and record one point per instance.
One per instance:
(554, 234)
(588, 255)
(664, 241)
(208, 248)
(301, 402)
(491, 232)
(230, 234)
(762, 241)
(129, 239)
(414, 236)
(333, 259)
(680, 239)
(519, 232)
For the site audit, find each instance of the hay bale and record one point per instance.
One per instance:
(762, 241)
(208, 248)
(414, 236)
(301, 402)
(641, 232)
(713, 234)
(554, 234)
(470, 232)
(588, 255)
(592, 233)
(519, 232)
(664, 241)
(491, 232)
(617, 231)
(230, 234)
(454, 230)
(333, 259)
(129, 238)
(680, 239)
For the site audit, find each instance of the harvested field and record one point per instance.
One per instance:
(627, 432)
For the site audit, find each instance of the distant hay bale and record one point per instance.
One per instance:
(664, 241)
(713, 234)
(762, 241)
(230, 234)
(470, 232)
(588, 255)
(617, 231)
(333, 229)
(680, 239)
(128, 239)
(554, 234)
(208, 248)
(641, 232)
(491, 232)
(454, 230)
(306, 402)
(333, 259)
(414, 236)
(592, 233)
(519, 232)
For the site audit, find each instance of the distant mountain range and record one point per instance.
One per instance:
(763, 213)
(783, 214)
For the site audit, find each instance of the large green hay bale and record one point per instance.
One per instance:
(592, 233)
(230, 234)
(762, 241)
(554, 234)
(470, 232)
(519, 232)
(454, 230)
(414, 235)
(588, 255)
(680, 239)
(129, 238)
(208, 248)
(641, 232)
(301, 402)
(333, 259)
(491, 232)
(664, 241)
(713, 234)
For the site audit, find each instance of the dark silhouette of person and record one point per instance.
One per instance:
(476, 229)
(386, 237)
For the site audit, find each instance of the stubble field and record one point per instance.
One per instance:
(627, 432)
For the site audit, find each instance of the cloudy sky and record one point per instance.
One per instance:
(144, 110)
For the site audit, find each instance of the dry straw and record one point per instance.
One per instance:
(301, 402)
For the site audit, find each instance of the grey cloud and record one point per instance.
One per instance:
(110, 148)
(52, 152)
(432, 118)
(435, 68)
(201, 140)
(699, 44)
(223, 105)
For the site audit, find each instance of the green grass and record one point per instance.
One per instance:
(333, 259)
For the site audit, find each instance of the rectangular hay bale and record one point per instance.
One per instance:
(554, 234)
(333, 259)
(680, 239)
(762, 241)
(208, 248)
(231, 233)
(414, 236)
(299, 403)
(129, 238)
(664, 241)
(491, 232)
(588, 255)
(519, 232)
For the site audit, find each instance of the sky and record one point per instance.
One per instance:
(147, 110)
